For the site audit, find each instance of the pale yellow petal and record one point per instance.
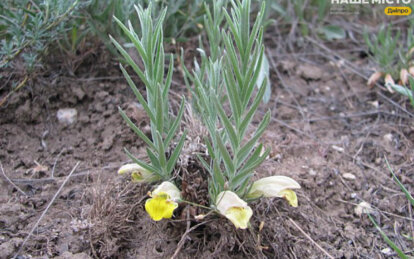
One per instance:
(138, 173)
(239, 216)
(233, 208)
(227, 199)
(129, 168)
(137, 177)
(291, 197)
(272, 186)
(170, 189)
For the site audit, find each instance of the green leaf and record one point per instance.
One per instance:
(279, 9)
(253, 157)
(130, 61)
(245, 24)
(228, 163)
(205, 164)
(169, 78)
(232, 57)
(134, 38)
(333, 32)
(247, 171)
(233, 96)
(176, 153)
(159, 110)
(210, 149)
(233, 30)
(387, 240)
(407, 194)
(402, 90)
(174, 127)
(137, 94)
(264, 75)
(256, 33)
(159, 63)
(251, 80)
(218, 175)
(234, 140)
(245, 150)
(254, 162)
(161, 151)
(154, 159)
(136, 129)
(249, 116)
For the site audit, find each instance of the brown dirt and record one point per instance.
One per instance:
(326, 124)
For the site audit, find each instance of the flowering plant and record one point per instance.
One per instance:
(236, 65)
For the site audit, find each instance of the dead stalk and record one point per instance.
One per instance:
(11, 182)
(183, 238)
(44, 212)
(310, 239)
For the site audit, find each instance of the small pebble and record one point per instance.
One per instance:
(348, 176)
(67, 116)
(339, 149)
(308, 71)
(363, 208)
(388, 137)
(387, 251)
(312, 172)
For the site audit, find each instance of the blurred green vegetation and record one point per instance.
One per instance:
(28, 28)
(34, 33)
(391, 48)
(306, 18)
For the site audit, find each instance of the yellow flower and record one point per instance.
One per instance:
(234, 209)
(138, 173)
(275, 186)
(163, 201)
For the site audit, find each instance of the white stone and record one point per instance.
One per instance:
(339, 149)
(349, 176)
(67, 116)
(387, 251)
(312, 172)
(363, 208)
(388, 137)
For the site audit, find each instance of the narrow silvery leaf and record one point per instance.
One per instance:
(136, 129)
(402, 90)
(154, 159)
(176, 153)
(264, 74)
(137, 93)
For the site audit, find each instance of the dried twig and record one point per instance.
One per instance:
(54, 164)
(184, 236)
(54, 179)
(310, 239)
(44, 212)
(11, 182)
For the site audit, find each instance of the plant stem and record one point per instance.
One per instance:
(197, 205)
